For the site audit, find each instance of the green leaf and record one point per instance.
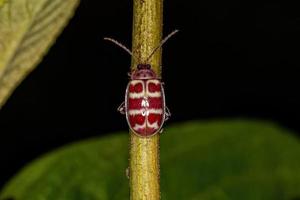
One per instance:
(213, 160)
(1, 2)
(27, 29)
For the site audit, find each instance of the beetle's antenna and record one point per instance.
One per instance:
(161, 44)
(118, 44)
(122, 46)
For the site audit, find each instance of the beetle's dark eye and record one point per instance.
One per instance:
(143, 66)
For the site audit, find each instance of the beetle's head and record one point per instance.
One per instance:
(143, 66)
(143, 71)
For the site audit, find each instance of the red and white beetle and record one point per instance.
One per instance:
(144, 104)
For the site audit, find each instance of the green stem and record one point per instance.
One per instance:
(144, 152)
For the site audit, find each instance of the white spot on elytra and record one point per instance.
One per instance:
(154, 125)
(145, 112)
(145, 103)
(136, 95)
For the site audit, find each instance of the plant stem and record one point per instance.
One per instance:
(144, 152)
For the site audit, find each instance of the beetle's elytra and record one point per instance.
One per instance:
(144, 104)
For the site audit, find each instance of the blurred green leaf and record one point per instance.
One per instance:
(27, 30)
(213, 160)
(1, 2)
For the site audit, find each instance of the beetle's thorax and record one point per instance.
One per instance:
(143, 72)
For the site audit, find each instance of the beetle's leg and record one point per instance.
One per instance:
(127, 172)
(121, 108)
(167, 114)
(161, 130)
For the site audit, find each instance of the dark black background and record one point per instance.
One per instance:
(231, 59)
